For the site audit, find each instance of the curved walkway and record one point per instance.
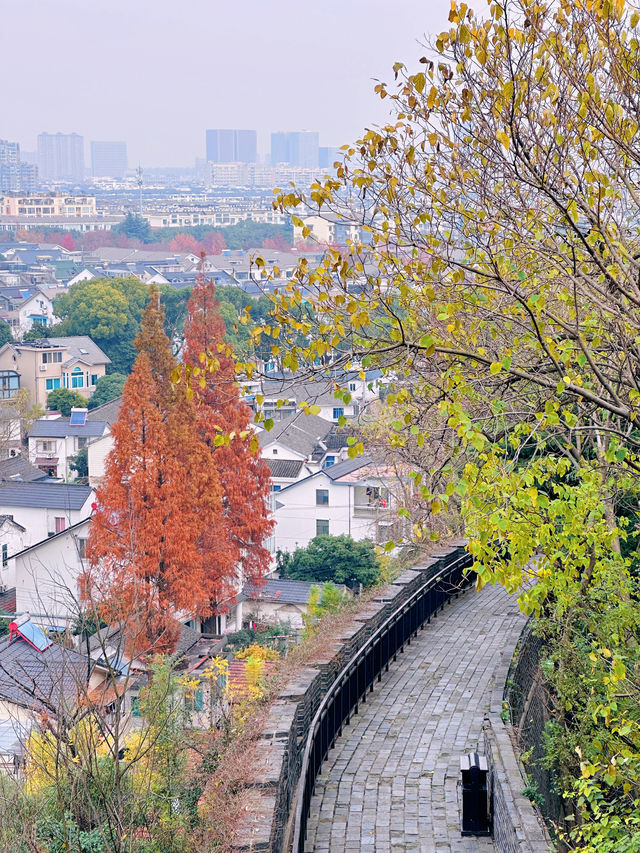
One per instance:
(390, 783)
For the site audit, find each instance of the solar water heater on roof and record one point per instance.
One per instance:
(78, 417)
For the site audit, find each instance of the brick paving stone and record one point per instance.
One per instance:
(390, 784)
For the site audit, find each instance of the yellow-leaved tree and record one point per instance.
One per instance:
(496, 283)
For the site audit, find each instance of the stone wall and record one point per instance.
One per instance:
(529, 706)
(517, 826)
(267, 824)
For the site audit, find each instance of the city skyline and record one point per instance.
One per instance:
(244, 65)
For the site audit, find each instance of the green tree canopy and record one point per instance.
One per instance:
(339, 559)
(108, 310)
(5, 333)
(134, 225)
(63, 400)
(108, 388)
(38, 331)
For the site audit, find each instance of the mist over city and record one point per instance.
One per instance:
(319, 426)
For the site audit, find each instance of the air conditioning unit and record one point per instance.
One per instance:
(3, 588)
(43, 367)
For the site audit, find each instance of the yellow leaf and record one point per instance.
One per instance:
(503, 137)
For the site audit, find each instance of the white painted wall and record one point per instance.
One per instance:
(46, 578)
(296, 513)
(39, 523)
(65, 449)
(97, 458)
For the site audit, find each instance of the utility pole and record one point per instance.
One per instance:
(139, 183)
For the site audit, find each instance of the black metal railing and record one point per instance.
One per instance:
(350, 687)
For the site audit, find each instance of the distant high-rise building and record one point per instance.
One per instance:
(9, 165)
(232, 146)
(15, 175)
(61, 157)
(327, 157)
(297, 148)
(108, 159)
(246, 146)
(280, 148)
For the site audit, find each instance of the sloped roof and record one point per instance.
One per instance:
(287, 469)
(61, 427)
(281, 590)
(74, 344)
(51, 679)
(347, 467)
(112, 636)
(19, 469)
(107, 412)
(8, 601)
(66, 496)
(300, 432)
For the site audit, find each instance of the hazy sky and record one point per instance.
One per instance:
(156, 73)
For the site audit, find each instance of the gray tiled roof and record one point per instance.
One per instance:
(44, 495)
(60, 428)
(347, 467)
(111, 636)
(50, 679)
(300, 432)
(285, 468)
(18, 469)
(73, 344)
(108, 412)
(281, 590)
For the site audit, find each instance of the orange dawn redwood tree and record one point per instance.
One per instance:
(150, 550)
(223, 422)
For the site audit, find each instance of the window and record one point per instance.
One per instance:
(46, 446)
(9, 384)
(82, 548)
(135, 706)
(322, 527)
(322, 497)
(329, 461)
(52, 384)
(77, 378)
(194, 701)
(51, 357)
(338, 413)
(275, 488)
(5, 555)
(61, 524)
(94, 378)
(275, 451)
(352, 386)
(82, 442)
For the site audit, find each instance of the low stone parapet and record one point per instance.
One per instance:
(266, 823)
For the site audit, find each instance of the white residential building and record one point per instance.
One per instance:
(53, 442)
(45, 508)
(46, 577)
(350, 498)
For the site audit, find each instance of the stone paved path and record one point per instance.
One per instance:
(390, 783)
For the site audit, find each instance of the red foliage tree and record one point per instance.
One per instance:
(149, 547)
(185, 243)
(277, 242)
(223, 422)
(66, 241)
(214, 243)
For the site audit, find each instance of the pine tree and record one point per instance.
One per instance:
(223, 422)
